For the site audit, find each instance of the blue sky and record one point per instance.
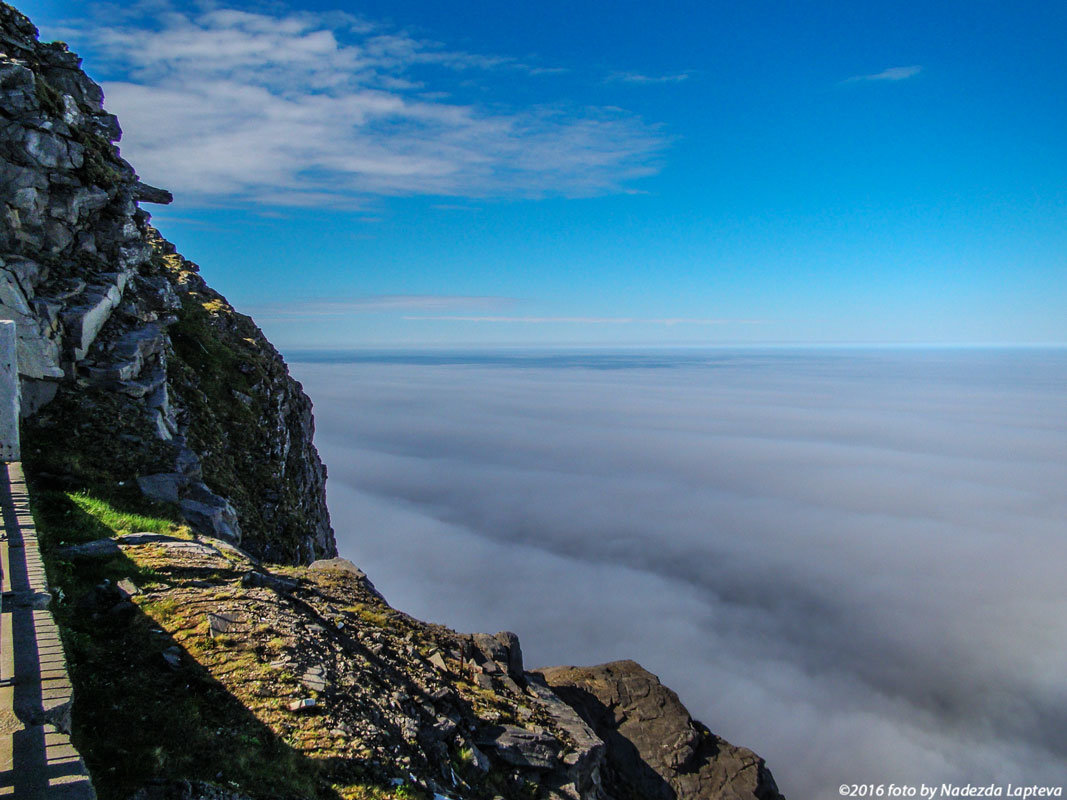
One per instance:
(426, 173)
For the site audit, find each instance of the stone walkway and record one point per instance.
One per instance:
(37, 759)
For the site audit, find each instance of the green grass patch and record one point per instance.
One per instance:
(50, 98)
(380, 617)
(118, 521)
(71, 517)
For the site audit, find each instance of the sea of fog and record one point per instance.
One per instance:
(852, 561)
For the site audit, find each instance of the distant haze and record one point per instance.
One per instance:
(851, 561)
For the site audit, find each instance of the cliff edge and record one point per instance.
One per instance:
(217, 646)
(135, 374)
(655, 750)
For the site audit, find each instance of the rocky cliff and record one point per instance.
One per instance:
(217, 647)
(655, 750)
(134, 372)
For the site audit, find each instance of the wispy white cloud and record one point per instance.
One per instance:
(455, 207)
(640, 78)
(328, 109)
(669, 321)
(302, 310)
(891, 74)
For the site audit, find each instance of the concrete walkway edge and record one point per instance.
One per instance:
(37, 759)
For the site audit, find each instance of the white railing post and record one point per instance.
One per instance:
(9, 393)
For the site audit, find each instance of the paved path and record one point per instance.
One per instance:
(37, 759)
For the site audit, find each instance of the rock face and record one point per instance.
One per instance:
(135, 373)
(654, 748)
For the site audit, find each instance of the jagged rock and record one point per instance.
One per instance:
(210, 514)
(133, 350)
(11, 294)
(147, 537)
(521, 747)
(144, 193)
(586, 757)
(501, 651)
(513, 650)
(84, 321)
(479, 760)
(654, 748)
(346, 566)
(178, 545)
(38, 360)
(438, 662)
(158, 293)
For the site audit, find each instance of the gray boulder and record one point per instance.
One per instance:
(521, 747)
(210, 514)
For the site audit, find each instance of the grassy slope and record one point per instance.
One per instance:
(136, 718)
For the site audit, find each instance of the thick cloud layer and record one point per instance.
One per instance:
(851, 561)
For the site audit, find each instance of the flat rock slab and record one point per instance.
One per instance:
(147, 537)
(172, 542)
(315, 679)
(100, 548)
